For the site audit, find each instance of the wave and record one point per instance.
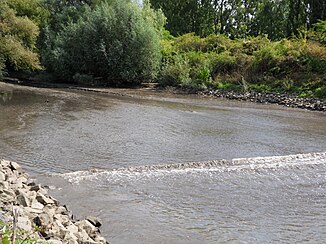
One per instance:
(296, 161)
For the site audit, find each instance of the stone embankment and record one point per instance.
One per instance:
(270, 97)
(31, 212)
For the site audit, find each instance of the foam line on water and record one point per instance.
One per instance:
(234, 165)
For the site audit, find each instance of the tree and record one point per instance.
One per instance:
(184, 16)
(115, 41)
(18, 37)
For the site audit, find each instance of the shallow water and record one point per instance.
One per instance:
(76, 141)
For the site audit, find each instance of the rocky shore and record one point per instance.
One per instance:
(270, 97)
(30, 213)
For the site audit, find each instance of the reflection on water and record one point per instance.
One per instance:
(55, 133)
(5, 96)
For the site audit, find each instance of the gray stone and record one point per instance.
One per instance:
(37, 205)
(23, 200)
(38, 189)
(72, 228)
(100, 239)
(94, 221)
(4, 185)
(87, 226)
(49, 210)
(33, 211)
(84, 238)
(24, 223)
(42, 220)
(43, 199)
(62, 210)
(2, 176)
(70, 238)
(15, 166)
(63, 219)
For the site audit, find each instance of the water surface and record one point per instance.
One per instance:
(75, 140)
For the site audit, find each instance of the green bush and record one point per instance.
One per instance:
(289, 65)
(175, 71)
(113, 41)
(318, 33)
(223, 63)
(320, 92)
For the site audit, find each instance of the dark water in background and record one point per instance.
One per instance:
(60, 136)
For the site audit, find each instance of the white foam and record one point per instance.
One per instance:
(297, 161)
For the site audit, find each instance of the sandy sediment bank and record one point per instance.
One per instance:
(36, 214)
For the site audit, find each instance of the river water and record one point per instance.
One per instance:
(126, 160)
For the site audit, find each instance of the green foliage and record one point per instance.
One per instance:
(18, 37)
(318, 33)
(257, 63)
(320, 92)
(33, 9)
(238, 19)
(175, 71)
(117, 42)
(21, 236)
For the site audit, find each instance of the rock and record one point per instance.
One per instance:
(2, 176)
(72, 228)
(39, 189)
(31, 183)
(23, 200)
(70, 238)
(87, 226)
(4, 185)
(33, 211)
(33, 206)
(84, 238)
(64, 219)
(94, 221)
(43, 199)
(100, 239)
(15, 167)
(42, 220)
(24, 223)
(62, 210)
(49, 210)
(37, 205)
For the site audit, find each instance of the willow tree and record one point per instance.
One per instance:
(115, 41)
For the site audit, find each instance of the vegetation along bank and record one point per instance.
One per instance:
(261, 46)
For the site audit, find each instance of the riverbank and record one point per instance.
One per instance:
(30, 213)
(282, 99)
(286, 100)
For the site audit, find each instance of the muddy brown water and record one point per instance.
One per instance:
(125, 159)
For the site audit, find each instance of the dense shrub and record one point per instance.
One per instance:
(318, 33)
(296, 65)
(18, 37)
(114, 41)
(175, 71)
